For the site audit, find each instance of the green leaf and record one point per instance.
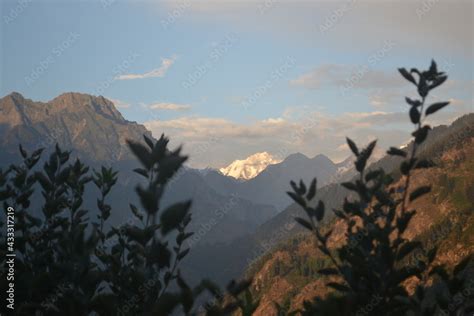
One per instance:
(435, 107)
(419, 192)
(304, 223)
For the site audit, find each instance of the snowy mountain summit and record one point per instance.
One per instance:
(249, 167)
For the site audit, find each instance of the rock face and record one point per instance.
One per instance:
(89, 124)
(250, 167)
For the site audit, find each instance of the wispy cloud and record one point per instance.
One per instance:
(170, 106)
(166, 63)
(317, 132)
(359, 77)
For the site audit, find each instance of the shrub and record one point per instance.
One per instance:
(369, 265)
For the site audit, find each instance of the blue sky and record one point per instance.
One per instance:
(228, 79)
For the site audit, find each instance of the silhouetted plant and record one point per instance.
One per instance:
(69, 264)
(368, 269)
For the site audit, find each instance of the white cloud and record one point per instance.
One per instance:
(316, 132)
(170, 106)
(166, 63)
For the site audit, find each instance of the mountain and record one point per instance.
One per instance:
(244, 252)
(250, 167)
(90, 125)
(270, 186)
(96, 132)
(287, 274)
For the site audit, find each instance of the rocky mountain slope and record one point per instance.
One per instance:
(445, 217)
(239, 255)
(96, 132)
(90, 125)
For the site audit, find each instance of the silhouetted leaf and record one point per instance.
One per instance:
(407, 75)
(173, 216)
(435, 107)
(142, 153)
(420, 134)
(407, 248)
(352, 146)
(419, 192)
(338, 286)
(414, 115)
(298, 199)
(303, 223)
(148, 141)
(141, 171)
(328, 271)
(312, 190)
(396, 152)
(319, 211)
(438, 81)
(413, 102)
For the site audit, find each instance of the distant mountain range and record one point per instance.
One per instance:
(257, 212)
(96, 133)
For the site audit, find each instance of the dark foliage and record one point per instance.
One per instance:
(69, 264)
(370, 267)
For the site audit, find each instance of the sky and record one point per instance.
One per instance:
(227, 79)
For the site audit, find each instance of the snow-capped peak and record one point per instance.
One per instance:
(249, 167)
